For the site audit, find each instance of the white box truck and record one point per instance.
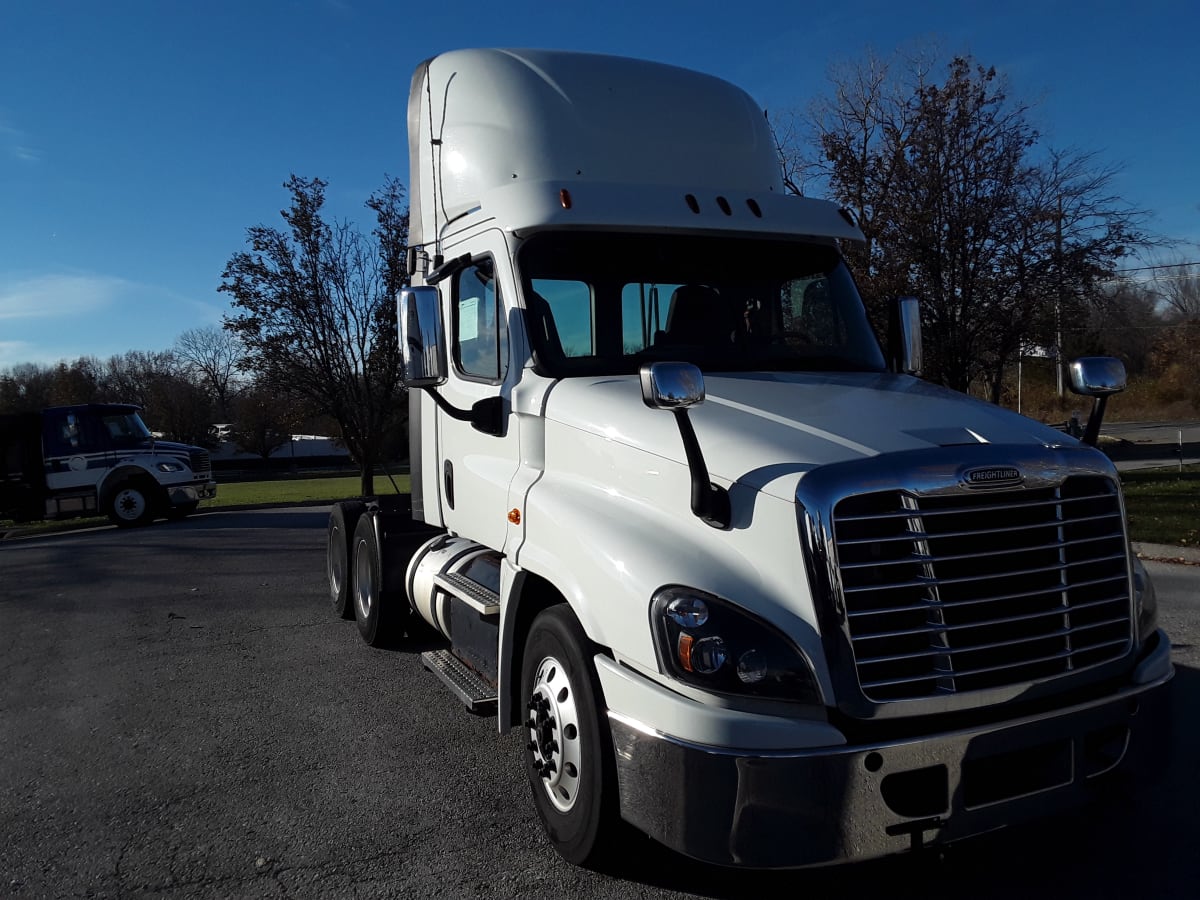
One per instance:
(740, 578)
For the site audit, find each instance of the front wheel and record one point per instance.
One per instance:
(568, 752)
(130, 505)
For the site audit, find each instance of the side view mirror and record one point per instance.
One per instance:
(1099, 377)
(422, 337)
(672, 385)
(904, 336)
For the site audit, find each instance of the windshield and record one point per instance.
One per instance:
(125, 429)
(606, 303)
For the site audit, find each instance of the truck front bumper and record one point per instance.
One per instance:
(181, 494)
(783, 808)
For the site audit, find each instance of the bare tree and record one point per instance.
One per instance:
(1178, 285)
(315, 312)
(1001, 242)
(212, 354)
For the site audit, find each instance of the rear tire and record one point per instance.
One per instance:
(568, 753)
(342, 520)
(131, 505)
(380, 615)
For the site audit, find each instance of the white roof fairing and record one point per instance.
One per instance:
(511, 128)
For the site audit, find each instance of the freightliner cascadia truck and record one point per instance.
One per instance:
(97, 459)
(740, 578)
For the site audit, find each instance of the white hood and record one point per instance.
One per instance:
(765, 430)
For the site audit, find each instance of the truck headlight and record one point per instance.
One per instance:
(170, 467)
(1145, 601)
(713, 644)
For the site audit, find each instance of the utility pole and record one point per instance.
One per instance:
(1058, 260)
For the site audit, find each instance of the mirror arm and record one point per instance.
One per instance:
(709, 501)
(486, 415)
(1091, 434)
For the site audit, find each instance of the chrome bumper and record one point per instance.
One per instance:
(782, 809)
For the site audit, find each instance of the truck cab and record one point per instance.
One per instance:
(738, 574)
(98, 459)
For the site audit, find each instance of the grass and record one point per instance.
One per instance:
(1163, 505)
(300, 490)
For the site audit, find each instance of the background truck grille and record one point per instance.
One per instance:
(958, 593)
(201, 463)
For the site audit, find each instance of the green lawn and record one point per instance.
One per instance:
(1163, 505)
(300, 490)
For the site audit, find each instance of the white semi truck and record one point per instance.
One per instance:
(740, 578)
(97, 459)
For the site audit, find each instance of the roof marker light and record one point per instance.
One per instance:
(564, 197)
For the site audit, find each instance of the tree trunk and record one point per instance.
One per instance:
(367, 475)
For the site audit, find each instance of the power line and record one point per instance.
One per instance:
(1183, 265)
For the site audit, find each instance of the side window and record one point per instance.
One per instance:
(480, 329)
(67, 434)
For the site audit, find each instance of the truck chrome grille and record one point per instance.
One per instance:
(963, 592)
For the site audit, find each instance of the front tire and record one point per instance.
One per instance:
(342, 520)
(568, 753)
(131, 505)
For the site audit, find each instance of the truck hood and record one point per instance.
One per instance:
(765, 430)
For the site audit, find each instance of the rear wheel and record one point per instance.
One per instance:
(131, 505)
(380, 615)
(342, 520)
(568, 752)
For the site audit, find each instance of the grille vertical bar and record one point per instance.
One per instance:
(955, 593)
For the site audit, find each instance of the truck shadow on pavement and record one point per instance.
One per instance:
(291, 517)
(1133, 839)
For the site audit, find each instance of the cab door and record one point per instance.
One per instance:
(74, 453)
(475, 468)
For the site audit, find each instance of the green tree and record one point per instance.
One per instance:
(314, 310)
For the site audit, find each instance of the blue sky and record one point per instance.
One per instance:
(139, 140)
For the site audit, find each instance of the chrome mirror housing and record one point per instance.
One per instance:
(422, 337)
(672, 385)
(1097, 376)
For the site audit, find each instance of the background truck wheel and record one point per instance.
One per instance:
(380, 615)
(568, 753)
(342, 520)
(131, 504)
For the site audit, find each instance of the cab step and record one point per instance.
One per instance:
(482, 599)
(468, 685)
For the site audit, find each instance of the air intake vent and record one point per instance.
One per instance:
(951, 594)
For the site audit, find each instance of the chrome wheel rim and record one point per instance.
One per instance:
(553, 727)
(364, 590)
